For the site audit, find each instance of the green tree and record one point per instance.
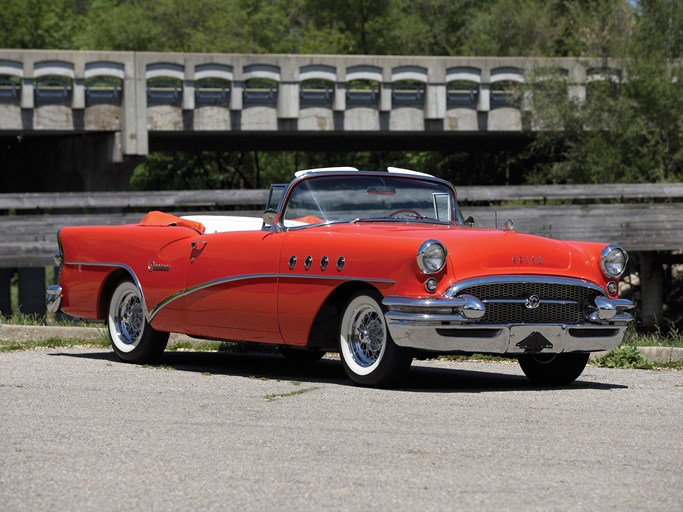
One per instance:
(629, 127)
(40, 24)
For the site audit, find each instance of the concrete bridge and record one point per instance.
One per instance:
(128, 103)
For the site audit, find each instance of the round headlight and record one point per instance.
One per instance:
(431, 256)
(613, 261)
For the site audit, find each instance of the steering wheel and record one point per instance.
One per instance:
(407, 210)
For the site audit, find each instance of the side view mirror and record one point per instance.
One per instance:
(269, 217)
(469, 221)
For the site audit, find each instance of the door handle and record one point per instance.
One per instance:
(197, 248)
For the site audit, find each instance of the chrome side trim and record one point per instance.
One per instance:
(150, 314)
(338, 278)
(216, 282)
(125, 267)
(459, 286)
(188, 291)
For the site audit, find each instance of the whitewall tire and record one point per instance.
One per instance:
(369, 355)
(132, 338)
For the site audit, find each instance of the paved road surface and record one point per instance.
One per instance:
(80, 431)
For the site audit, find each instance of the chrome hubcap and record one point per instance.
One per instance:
(129, 318)
(366, 336)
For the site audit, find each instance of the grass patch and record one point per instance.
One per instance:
(206, 346)
(476, 357)
(672, 338)
(274, 396)
(54, 342)
(34, 319)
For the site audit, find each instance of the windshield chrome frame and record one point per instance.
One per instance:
(314, 175)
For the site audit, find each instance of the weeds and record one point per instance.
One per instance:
(624, 357)
(54, 342)
(673, 338)
(274, 396)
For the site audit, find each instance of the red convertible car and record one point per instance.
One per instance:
(378, 266)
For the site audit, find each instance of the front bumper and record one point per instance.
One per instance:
(451, 325)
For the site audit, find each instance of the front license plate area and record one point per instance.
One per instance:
(534, 343)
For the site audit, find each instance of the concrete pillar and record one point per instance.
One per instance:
(78, 98)
(236, 93)
(288, 100)
(385, 97)
(339, 97)
(435, 101)
(484, 102)
(188, 95)
(27, 100)
(32, 291)
(651, 289)
(577, 93)
(5, 296)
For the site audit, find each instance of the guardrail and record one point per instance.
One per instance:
(31, 221)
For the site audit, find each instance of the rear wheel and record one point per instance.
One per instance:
(553, 369)
(369, 355)
(132, 338)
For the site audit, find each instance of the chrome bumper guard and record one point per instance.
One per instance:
(451, 325)
(53, 298)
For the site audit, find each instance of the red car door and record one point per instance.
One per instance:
(231, 287)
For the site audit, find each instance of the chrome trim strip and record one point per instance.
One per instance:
(465, 308)
(150, 314)
(284, 201)
(457, 287)
(187, 291)
(246, 277)
(524, 301)
(339, 278)
(136, 281)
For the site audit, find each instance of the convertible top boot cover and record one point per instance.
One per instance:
(157, 218)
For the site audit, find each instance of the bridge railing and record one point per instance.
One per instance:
(135, 93)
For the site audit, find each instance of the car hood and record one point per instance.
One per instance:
(507, 252)
(475, 252)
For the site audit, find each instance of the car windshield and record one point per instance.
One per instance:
(370, 198)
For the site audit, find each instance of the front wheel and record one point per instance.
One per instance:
(369, 355)
(553, 369)
(132, 338)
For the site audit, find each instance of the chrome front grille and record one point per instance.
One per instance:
(506, 302)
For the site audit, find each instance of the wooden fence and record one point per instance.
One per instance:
(641, 217)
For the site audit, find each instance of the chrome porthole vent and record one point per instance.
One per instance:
(308, 262)
(292, 262)
(324, 262)
(340, 263)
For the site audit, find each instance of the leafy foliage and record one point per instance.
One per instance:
(628, 128)
(624, 357)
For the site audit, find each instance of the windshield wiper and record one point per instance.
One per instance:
(420, 220)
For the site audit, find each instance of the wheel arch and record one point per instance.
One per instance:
(325, 327)
(114, 278)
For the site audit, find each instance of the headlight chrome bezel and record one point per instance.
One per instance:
(609, 257)
(429, 253)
